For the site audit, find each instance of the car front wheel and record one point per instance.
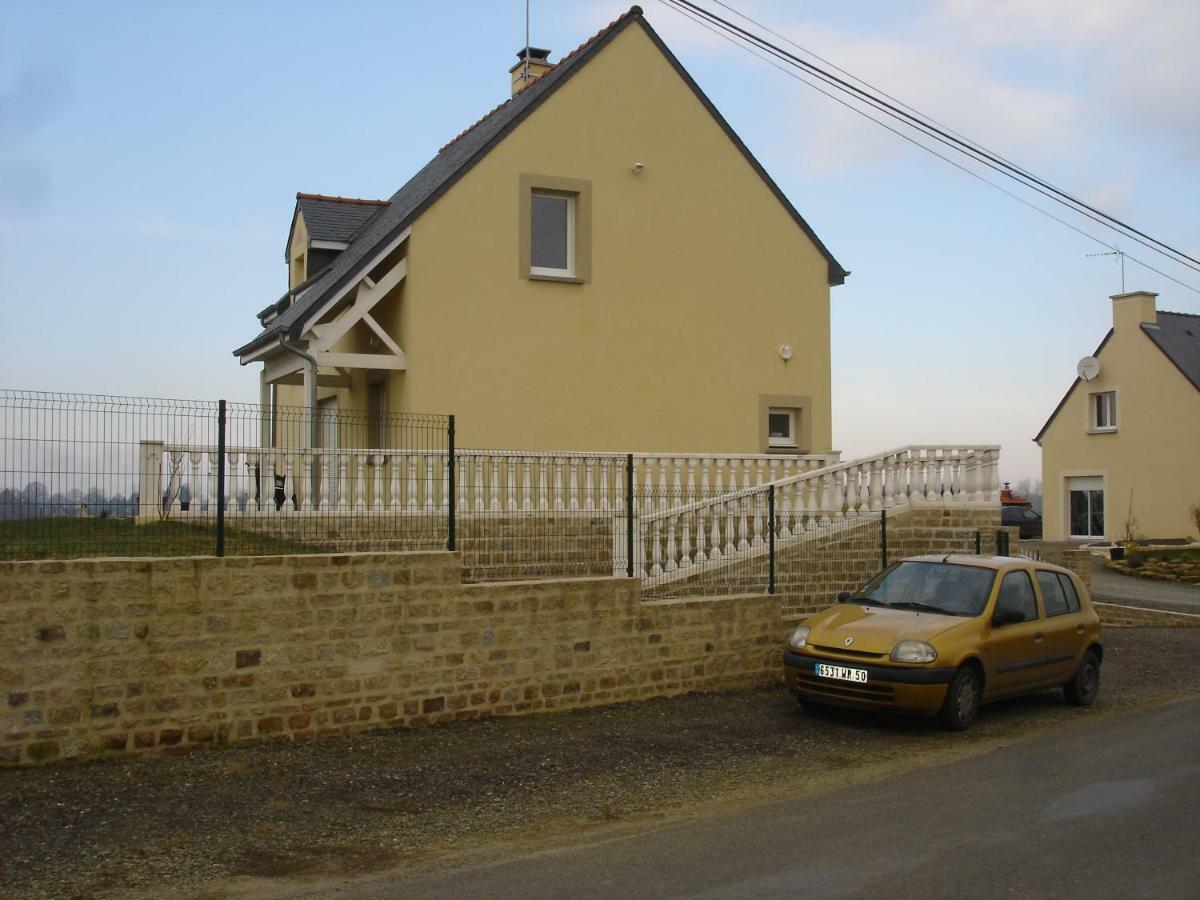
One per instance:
(962, 700)
(1083, 687)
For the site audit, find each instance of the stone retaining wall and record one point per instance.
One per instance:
(1114, 615)
(118, 656)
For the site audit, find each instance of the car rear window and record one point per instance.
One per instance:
(1052, 594)
(1068, 587)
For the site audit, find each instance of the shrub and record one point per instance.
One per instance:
(1194, 512)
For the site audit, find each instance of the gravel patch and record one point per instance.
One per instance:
(202, 824)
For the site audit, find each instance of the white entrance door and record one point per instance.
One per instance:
(327, 418)
(1085, 507)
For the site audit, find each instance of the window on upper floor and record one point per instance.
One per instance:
(555, 229)
(1104, 411)
(552, 234)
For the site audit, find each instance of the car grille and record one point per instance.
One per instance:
(845, 690)
(843, 653)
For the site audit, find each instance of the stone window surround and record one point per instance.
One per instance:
(581, 190)
(801, 407)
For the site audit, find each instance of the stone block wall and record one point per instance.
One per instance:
(118, 656)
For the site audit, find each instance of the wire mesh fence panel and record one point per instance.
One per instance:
(70, 475)
(535, 515)
(334, 481)
(88, 475)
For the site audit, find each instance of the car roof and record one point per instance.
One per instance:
(984, 562)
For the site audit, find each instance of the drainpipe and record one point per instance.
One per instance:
(310, 389)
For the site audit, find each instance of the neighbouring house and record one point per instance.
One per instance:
(1121, 452)
(599, 263)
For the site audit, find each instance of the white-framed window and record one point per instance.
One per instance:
(781, 427)
(1104, 411)
(552, 234)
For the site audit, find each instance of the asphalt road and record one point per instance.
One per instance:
(1109, 809)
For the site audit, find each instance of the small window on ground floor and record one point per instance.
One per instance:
(781, 427)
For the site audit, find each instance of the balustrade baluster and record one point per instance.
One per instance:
(411, 502)
(493, 488)
(377, 482)
(758, 499)
(325, 475)
(729, 548)
(713, 513)
(605, 463)
(743, 515)
(702, 534)
(360, 482)
(558, 484)
(720, 476)
(656, 550)
(826, 498)
(291, 480)
(812, 485)
(677, 492)
(691, 479)
(664, 485)
(852, 491)
(784, 507)
(685, 546)
(210, 495)
(573, 501)
(444, 494)
(526, 482)
(343, 479)
(971, 477)
(672, 550)
(543, 492)
(231, 482)
(512, 484)
(393, 464)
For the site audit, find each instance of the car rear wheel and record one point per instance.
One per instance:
(1083, 687)
(962, 700)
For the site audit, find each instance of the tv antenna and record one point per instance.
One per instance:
(1121, 255)
(525, 75)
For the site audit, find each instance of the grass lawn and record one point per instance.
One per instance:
(54, 538)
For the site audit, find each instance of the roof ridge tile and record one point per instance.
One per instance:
(300, 195)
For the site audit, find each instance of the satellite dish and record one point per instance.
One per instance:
(1088, 368)
(785, 352)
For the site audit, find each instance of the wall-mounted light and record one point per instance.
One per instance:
(785, 352)
(639, 168)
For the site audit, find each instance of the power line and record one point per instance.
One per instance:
(919, 122)
(792, 74)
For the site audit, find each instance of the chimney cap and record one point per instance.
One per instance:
(535, 54)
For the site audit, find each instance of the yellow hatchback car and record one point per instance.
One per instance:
(940, 635)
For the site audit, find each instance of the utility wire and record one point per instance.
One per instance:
(793, 74)
(961, 145)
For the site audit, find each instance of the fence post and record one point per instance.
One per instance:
(883, 536)
(150, 494)
(978, 543)
(629, 515)
(220, 478)
(1002, 543)
(771, 538)
(450, 466)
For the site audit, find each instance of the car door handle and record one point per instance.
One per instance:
(1079, 629)
(1037, 637)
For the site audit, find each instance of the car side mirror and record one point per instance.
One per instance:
(1006, 617)
(844, 597)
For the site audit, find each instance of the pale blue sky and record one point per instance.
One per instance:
(150, 153)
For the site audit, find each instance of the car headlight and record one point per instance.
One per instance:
(800, 636)
(913, 652)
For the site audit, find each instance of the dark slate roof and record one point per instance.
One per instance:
(1177, 335)
(335, 218)
(456, 158)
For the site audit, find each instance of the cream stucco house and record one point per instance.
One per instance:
(1121, 452)
(599, 263)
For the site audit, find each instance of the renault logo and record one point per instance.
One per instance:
(849, 641)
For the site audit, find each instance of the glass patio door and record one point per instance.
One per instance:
(1086, 507)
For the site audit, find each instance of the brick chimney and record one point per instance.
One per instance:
(1133, 309)
(539, 65)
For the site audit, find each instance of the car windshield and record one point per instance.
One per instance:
(940, 587)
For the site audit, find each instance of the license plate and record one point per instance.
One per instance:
(841, 673)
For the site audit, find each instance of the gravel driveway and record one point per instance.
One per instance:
(274, 819)
(1113, 587)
